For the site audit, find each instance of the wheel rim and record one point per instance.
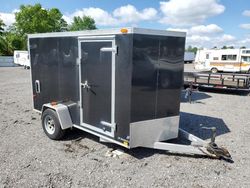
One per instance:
(49, 124)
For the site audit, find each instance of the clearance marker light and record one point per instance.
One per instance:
(124, 30)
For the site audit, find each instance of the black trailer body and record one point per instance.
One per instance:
(122, 85)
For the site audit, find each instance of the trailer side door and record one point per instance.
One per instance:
(97, 85)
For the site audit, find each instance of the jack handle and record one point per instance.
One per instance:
(213, 130)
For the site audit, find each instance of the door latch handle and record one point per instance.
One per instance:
(37, 86)
(85, 85)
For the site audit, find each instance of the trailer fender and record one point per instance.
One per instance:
(63, 114)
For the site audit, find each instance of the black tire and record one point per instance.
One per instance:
(51, 125)
(214, 70)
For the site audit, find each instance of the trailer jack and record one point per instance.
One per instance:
(197, 146)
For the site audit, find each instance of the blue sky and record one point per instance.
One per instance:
(208, 23)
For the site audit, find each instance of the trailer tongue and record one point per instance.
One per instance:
(197, 147)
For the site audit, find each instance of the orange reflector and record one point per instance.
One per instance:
(53, 103)
(124, 30)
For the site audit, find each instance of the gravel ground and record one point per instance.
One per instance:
(29, 159)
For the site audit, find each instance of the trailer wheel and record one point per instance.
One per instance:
(51, 125)
(214, 70)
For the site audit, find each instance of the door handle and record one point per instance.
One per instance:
(37, 86)
(109, 49)
(85, 85)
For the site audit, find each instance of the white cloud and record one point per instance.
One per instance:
(227, 38)
(100, 16)
(129, 14)
(246, 13)
(210, 29)
(207, 36)
(211, 41)
(198, 41)
(190, 12)
(67, 18)
(206, 29)
(8, 18)
(244, 42)
(15, 10)
(245, 26)
(122, 15)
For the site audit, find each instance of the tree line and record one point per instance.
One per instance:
(35, 19)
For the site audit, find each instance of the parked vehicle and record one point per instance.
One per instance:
(22, 58)
(225, 60)
(189, 57)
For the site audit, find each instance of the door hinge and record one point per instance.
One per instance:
(115, 49)
(113, 126)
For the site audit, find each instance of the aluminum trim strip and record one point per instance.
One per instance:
(96, 38)
(114, 31)
(113, 90)
(98, 130)
(100, 136)
(158, 32)
(31, 81)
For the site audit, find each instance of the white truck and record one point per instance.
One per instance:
(225, 60)
(22, 58)
(189, 57)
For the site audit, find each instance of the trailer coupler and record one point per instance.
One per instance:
(218, 152)
(197, 147)
(214, 150)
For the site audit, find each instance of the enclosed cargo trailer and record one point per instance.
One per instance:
(122, 85)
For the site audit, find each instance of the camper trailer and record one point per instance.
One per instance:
(225, 60)
(22, 58)
(122, 85)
